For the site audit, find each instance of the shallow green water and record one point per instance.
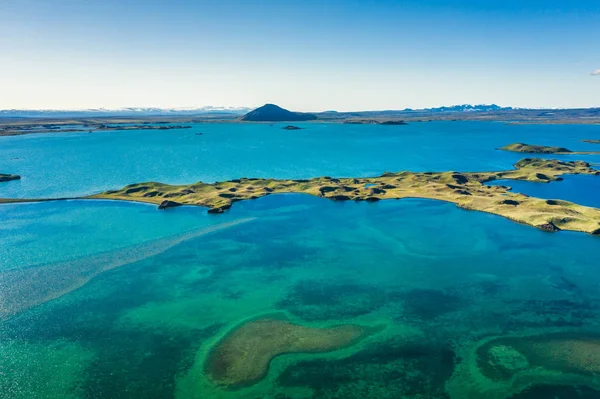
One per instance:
(436, 276)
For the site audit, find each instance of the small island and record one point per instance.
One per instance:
(393, 123)
(540, 149)
(374, 122)
(591, 141)
(7, 177)
(242, 358)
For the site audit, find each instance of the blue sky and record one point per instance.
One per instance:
(304, 55)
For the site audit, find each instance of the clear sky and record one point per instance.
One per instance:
(304, 55)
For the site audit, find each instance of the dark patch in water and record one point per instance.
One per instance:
(562, 283)
(321, 300)
(429, 304)
(391, 369)
(145, 363)
(487, 288)
(557, 313)
(558, 392)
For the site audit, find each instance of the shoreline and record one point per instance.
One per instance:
(23, 126)
(466, 190)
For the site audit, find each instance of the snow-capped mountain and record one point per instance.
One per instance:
(131, 111)
(464, 108)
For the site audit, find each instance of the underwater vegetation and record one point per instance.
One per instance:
(518, 365)
(392, 368)
(243, 356)
(314, 300)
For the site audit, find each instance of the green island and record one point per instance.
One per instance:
(466, 190)
(8, 177)
(500, 367)
(243, 356)
(540, 149)
(591, 141)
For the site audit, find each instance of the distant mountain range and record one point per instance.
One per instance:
(274, 113)
(453, 108)
(464, 108)
(102, 112)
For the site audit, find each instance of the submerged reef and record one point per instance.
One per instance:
(21, 289)
(540, 149)
(243, 356)
(316, 300)
(7, 177)
(466, 190)
(505, 366)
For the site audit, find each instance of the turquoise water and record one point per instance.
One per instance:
(106, 299)
(73, 164)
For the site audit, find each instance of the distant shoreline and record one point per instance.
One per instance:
(12, 127)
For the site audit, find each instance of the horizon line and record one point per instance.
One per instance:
(240, 108)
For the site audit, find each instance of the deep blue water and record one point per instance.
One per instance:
(440, 279)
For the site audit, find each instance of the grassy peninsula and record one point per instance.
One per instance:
(466, 190)
(540, 149)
